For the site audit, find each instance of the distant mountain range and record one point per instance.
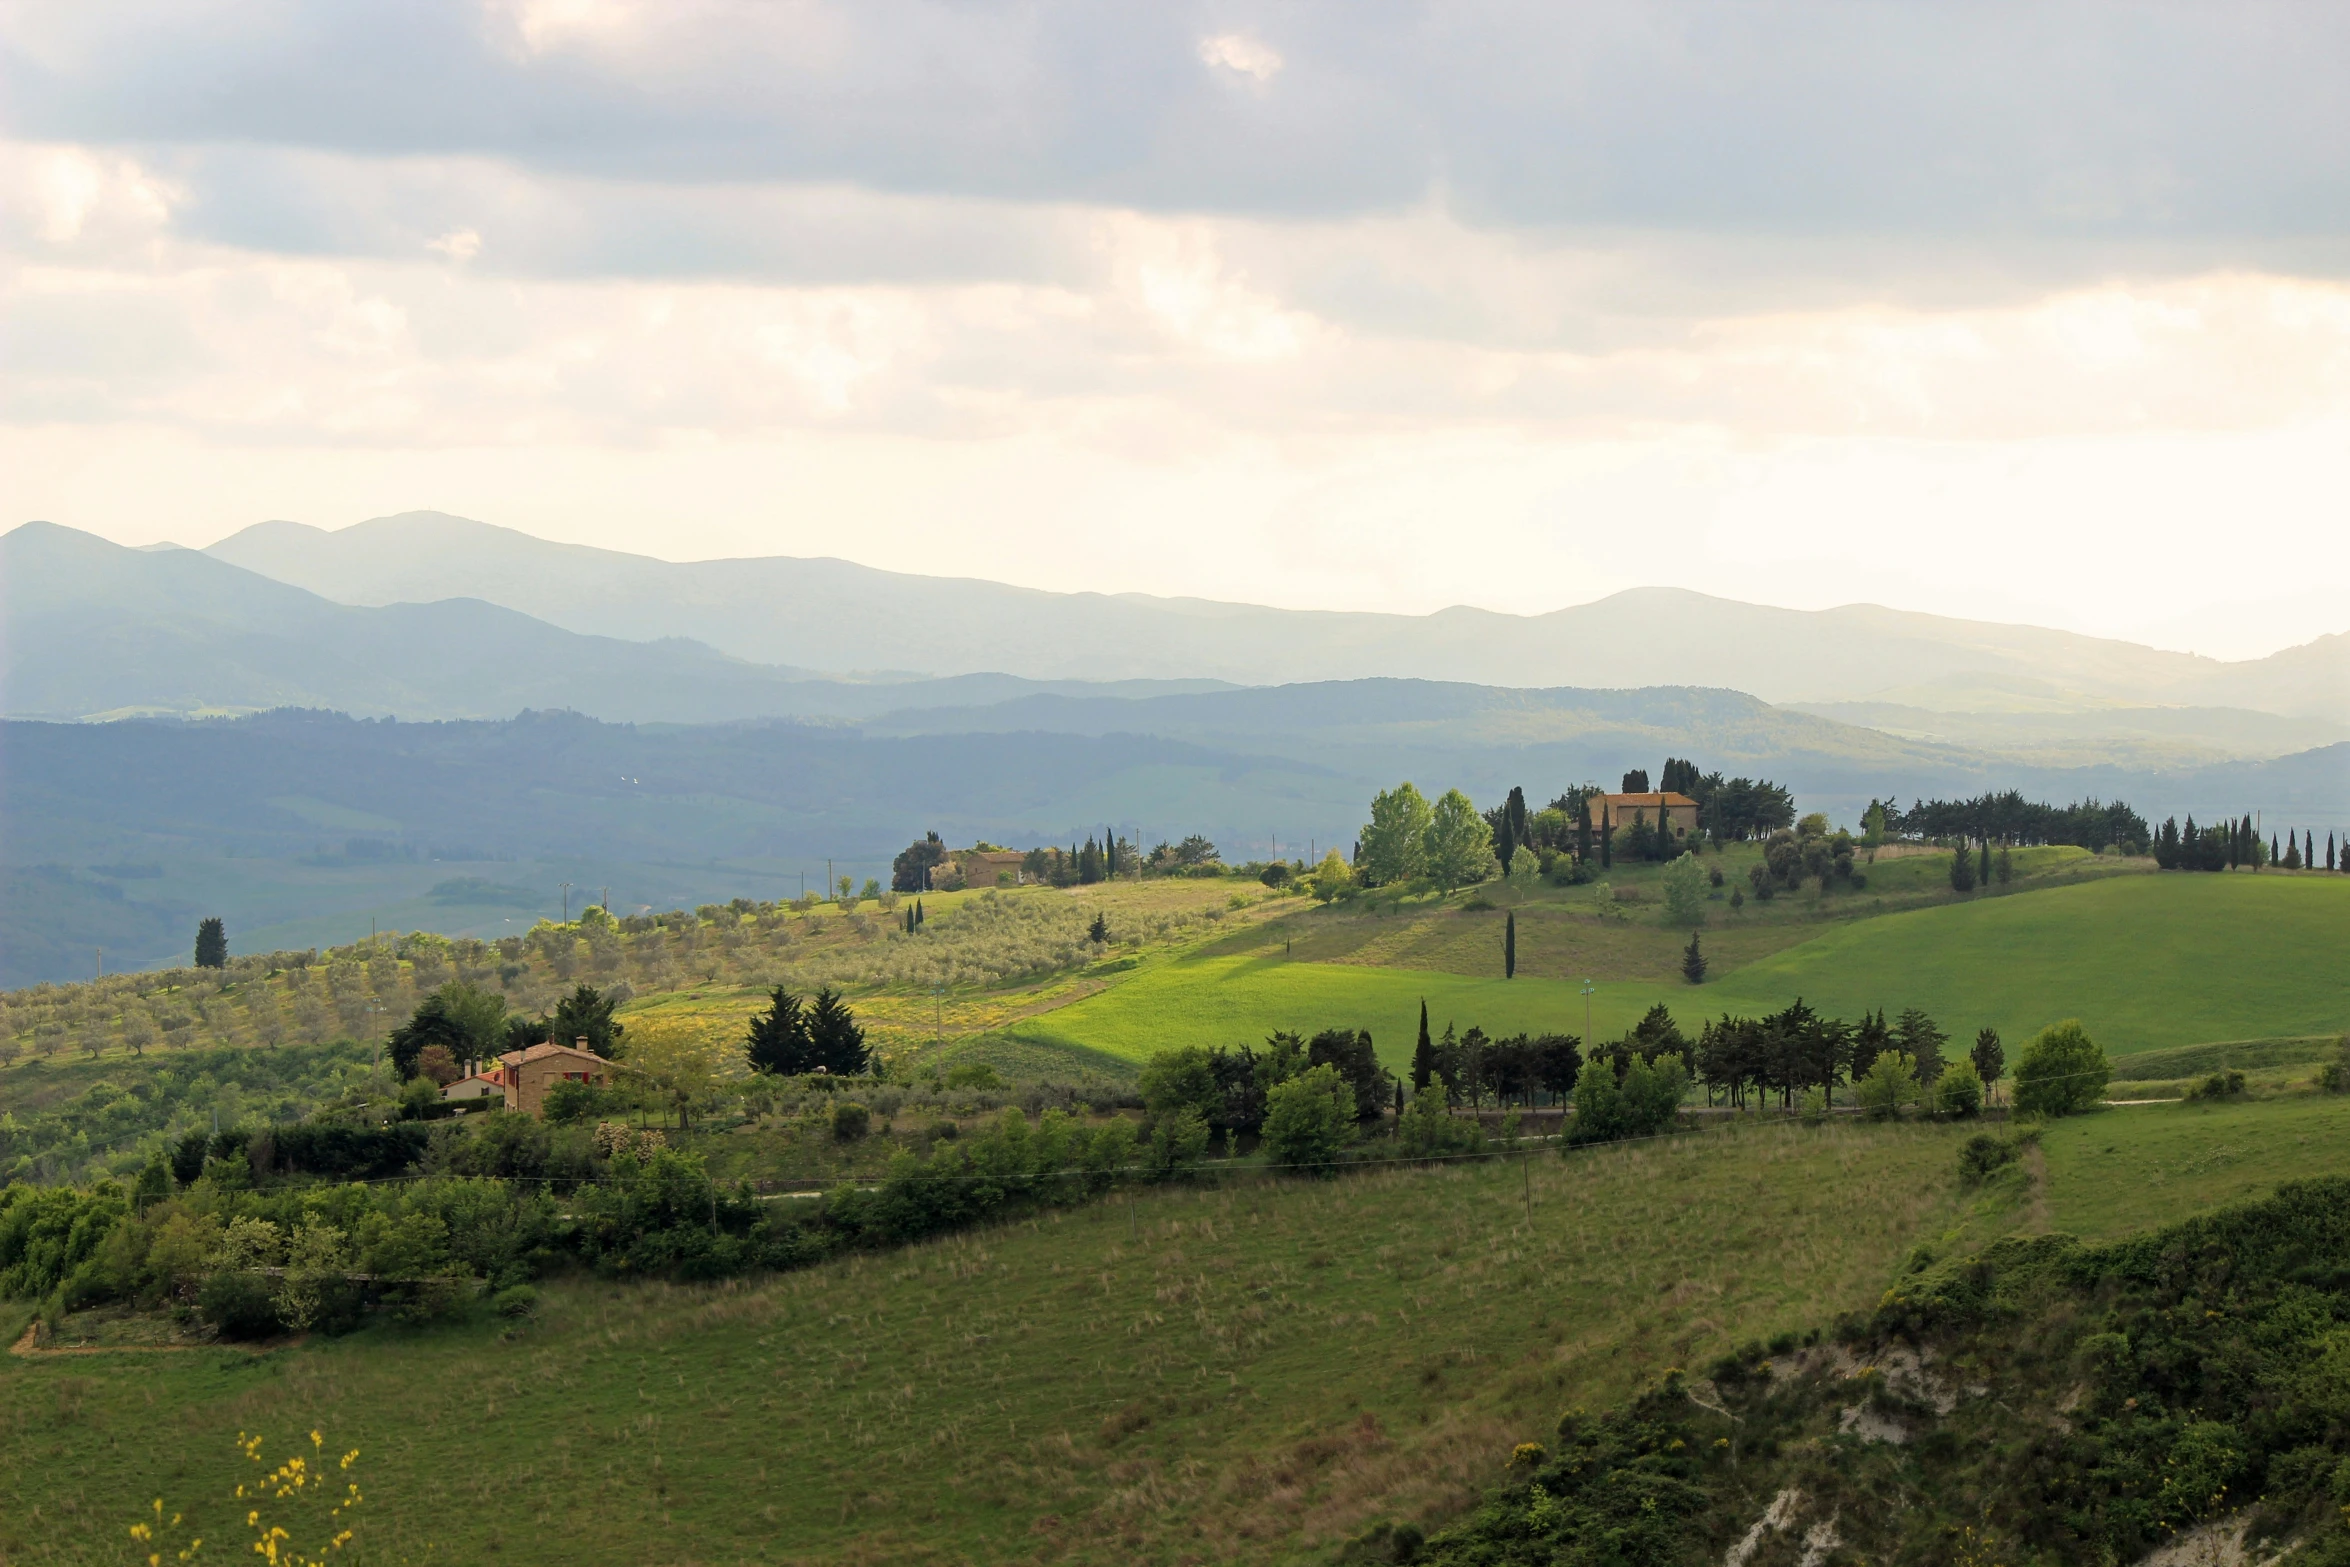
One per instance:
(90, 629)
(822, 613)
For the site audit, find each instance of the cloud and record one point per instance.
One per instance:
(1978, 124)
(457, 244)
(1242, 54)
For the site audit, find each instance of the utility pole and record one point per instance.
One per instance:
(828, 876)
(607, 899)
(1587, 1040)
(101, 951)
(566, 886)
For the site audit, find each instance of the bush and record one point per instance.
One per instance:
(1309, 1120)
(1429, 1130)
(1959, 1090)
(1641, 1102)
(570, 1101)
(239, 1305)
(1982, 1155)
(2219, 1085)
(2063, 1072)
(851, 1121)
(518, 1300)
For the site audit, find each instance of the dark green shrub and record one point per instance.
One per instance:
(518, 1300)
(239, 1306)
(1982, 1154)
(2219, 1085)
(851, 1121)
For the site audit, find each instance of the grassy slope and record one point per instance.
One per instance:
(1157, 1385)
(2145, 962)
(1221, 998)
(1244, 1374)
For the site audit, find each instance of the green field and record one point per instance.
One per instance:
(1252, 1372)
(1218, 998)
(2144, 961)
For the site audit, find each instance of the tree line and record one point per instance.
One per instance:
(2236, 844)
(2009, 818)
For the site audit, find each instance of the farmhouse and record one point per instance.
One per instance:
(525, 1075)
(990, 867)
(1676, 811)
(474, 1091)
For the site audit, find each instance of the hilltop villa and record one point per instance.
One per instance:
(1676, 811)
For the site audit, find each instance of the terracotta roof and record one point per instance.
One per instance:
(1652, 801)
(542, 1052)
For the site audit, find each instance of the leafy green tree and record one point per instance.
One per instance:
(1693, 961)
(1427, 1128)
(779, 1040)
(1309, 1120)
(1921, 1039)
(211, 942)
(1989, 1057)
(2062, 1072)
(1959, 1090)
(1685, 892)
(1349, 1053)
(1459, 847)
(1173, 1081)
(587, 1014)
(469, 1023)
(1179, 1141)
(1891, 1084)
(1331, 877)
(1394, 846)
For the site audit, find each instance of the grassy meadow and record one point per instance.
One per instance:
(1253, 1371)
(2145, 962)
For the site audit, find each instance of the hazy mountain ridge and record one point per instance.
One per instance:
(91, 629)
(788, 610)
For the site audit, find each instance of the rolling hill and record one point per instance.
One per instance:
(787, 611)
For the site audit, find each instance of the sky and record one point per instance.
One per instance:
(2034, 311)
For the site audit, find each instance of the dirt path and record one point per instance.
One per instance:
(29, 1349)
(2036, 1174)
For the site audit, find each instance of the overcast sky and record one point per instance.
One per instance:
(2033, 311)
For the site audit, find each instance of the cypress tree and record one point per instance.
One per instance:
(919, 916)
(1583, 834)
(2273, 857)
(1509, 946)
(211, 942)
(1962, 869)
(2309, 848)
(1423, 1053)
(1983, 866)
(1693, 962)
(835, 1038)
(2329, 851)
(1607, 849)
(779, 1040)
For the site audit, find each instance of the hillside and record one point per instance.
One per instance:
(783, 611)
(1137, 1381)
